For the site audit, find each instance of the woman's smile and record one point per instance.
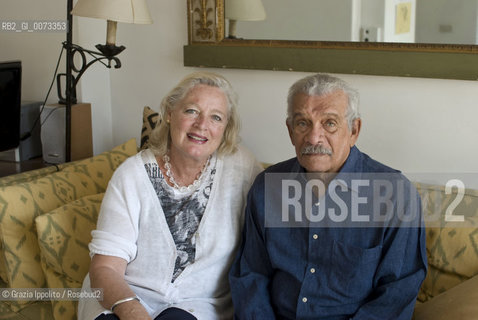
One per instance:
(197, 138)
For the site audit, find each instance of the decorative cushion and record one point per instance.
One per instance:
(27, 176)
(63, 236)
(15, 179)
(456, 303)
(21, 203)
(452, 248)
(22, 178)
(150, 117)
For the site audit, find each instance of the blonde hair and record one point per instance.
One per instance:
(160, 138)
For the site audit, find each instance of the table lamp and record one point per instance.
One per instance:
(243, 10)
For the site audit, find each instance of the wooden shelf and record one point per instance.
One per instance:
(11, 167)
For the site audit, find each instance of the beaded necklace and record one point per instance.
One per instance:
(170, 175)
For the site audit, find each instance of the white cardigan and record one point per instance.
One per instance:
(132, 226)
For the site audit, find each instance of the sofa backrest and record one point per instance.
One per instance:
(452, 247)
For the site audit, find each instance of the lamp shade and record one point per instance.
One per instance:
(245, 10)
(128, 11)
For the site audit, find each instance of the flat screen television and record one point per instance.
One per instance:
(10, 104)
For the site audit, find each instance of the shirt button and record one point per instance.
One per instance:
(304, 299)
(312, 270)
(315, 236)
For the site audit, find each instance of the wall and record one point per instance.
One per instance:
(31, 47)
(39, 53)
(383, 14)
(373, 17)
(328, 20)
(452, 22)
(304, 20)
(416, 125)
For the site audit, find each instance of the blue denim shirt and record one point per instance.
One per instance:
(316, 272)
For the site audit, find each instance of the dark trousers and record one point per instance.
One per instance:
(168, 314)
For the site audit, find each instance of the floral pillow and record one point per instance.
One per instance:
(63, 237)
(150, 118)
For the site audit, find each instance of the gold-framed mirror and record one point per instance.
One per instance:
(208, 47)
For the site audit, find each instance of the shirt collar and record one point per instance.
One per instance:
(352, 162)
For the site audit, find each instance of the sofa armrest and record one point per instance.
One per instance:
(459, 302)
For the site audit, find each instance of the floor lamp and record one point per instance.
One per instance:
(114, 11)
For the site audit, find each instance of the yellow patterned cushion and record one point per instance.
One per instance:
(21, 203)
(456, 303)
(150, 117)
(63, 236)
(452, 248)
(27, 176)
(16, 179)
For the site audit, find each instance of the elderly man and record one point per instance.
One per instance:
(354, 248)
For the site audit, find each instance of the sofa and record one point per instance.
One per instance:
(450, 289)
(46, 217)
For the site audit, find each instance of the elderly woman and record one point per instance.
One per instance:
(172, 215)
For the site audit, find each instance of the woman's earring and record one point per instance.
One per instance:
(167, 121)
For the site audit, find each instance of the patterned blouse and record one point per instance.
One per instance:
(183, 210)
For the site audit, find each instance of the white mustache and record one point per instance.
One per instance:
(317, 149)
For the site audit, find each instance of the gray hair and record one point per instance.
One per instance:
(322, 84)
(160, 138)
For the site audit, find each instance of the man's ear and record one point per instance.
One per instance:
(356, 126)
(289, 129)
